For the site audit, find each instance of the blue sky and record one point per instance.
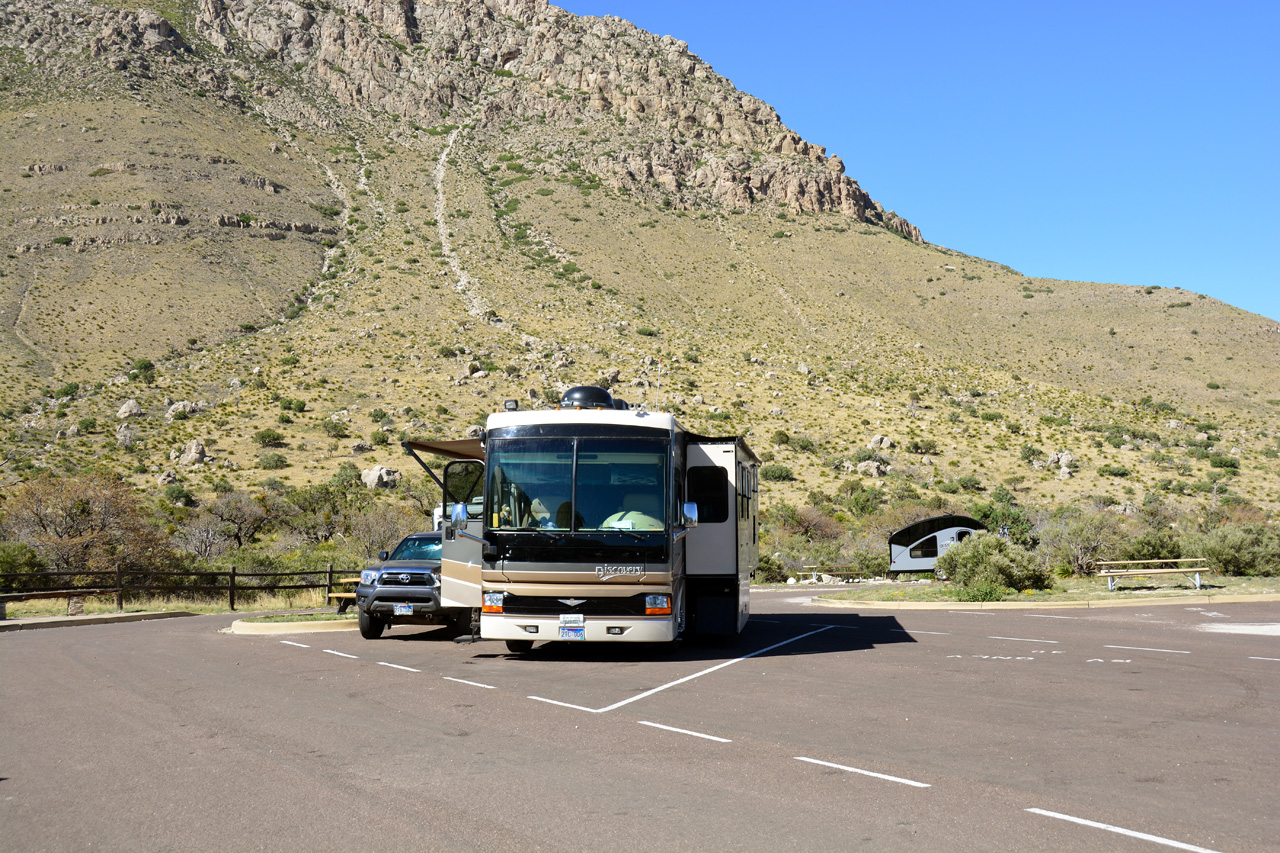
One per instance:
(1127, 142)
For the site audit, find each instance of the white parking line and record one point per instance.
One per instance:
(1121, 831)
(472, 683)
(397, 666)
(684, 731)
(1141, 649)
(340, 654)
(1048, 616)
(292, 643)
(1023, 640)
(973, 612)
(1275, 659)
(678, 681)
(865, 772)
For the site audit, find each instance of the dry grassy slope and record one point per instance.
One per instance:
(76, 311)
(751, 297)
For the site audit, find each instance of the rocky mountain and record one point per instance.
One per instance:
(402, 213)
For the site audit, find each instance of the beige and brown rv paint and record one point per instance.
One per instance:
(597, 522)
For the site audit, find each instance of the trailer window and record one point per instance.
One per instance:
(708, 487)
(925, 548)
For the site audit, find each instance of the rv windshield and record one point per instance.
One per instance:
(577, 484)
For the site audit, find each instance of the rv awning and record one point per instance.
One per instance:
(462, 448)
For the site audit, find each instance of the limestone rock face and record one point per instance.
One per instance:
(691, 137)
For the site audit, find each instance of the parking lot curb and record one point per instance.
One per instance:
(1041, 605)
(30, 623)
(242, 626)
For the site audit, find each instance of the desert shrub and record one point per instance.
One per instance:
(781, 437)
(1152, 545)
(268, 438)
(922, 446)
(17, 558)
(985, 562)
(1073, 544)
(379, 438)
(69, 390)
(273, 461)
(334, 429)
(777, 473)
(1226, 462)
(1113, 470)
(771, 570)
(1239, 549)
(177, 494)
(378, 415)
(87, 424)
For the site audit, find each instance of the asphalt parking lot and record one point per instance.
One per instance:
(1128, 729)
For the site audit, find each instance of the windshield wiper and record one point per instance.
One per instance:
(554, 537)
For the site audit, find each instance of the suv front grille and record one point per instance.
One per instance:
(411, 578)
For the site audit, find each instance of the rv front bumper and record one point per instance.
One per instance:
(590, 629)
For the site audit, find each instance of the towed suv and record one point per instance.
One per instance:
(403, 588)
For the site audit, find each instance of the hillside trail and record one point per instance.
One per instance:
(464, 284)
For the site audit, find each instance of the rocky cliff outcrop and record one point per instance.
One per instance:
(659, 120)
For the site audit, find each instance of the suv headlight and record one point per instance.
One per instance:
(368, 576)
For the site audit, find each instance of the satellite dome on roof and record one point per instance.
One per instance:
(586, 397)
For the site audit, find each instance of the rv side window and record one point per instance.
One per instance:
(925, 548)
(708, 487)
(963, 535)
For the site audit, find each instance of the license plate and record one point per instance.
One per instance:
(573, 626)
(402, 609)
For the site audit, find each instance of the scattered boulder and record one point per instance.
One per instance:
(881, 442)
(126, 436)
(475, 431)
(361, 447)
(872, 468)
(167, 477)
(380, 477)
(192, 453)
(130, 409)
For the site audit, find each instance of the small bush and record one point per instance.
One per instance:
(273, 461)
(985, 562)
(771, 570)
(379, 438)
(777, 473)
(1113, 470)
(268, 438)
(334, 429)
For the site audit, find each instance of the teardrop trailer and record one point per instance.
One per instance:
(596, 522)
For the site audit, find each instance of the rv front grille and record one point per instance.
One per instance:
(530, 605)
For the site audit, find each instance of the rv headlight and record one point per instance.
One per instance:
(492, 602)
(657, 605)
(369, 576)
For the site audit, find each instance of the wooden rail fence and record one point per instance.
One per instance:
(78, 585)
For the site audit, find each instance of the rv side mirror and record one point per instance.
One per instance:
(459, 516)
(690, 514)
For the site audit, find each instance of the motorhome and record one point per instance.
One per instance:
(596, 522)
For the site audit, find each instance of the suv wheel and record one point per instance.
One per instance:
(371, 628)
